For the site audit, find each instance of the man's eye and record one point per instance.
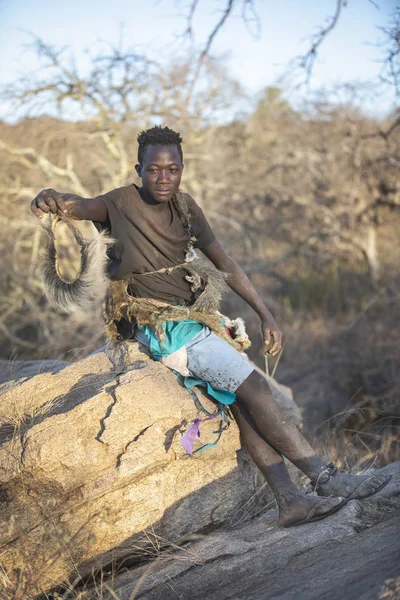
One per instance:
(173, 170)
(152, 170)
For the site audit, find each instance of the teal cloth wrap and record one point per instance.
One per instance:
(222, 396)
(177, 334)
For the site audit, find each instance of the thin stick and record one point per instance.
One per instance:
(266, 364)
(278, 359)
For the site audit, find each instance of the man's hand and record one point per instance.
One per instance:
(48, 201)
(272, 337)
(240, 283)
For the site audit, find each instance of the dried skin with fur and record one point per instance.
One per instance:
(91, 283)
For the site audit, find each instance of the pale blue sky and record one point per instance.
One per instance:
(349, 53)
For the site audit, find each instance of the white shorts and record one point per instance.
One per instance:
(212, 359)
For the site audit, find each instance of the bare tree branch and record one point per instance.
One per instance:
(391, 62)
(206, 49)
(189, 25)
(385, 134)
(307, 61)
(46, 166)
(253, 19)
(247, 7)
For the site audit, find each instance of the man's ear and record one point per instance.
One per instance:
(138, 170)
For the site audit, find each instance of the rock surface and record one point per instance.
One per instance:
(90, 459)
(93, 477)
(352, 555)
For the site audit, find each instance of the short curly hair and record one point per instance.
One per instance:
(162, 136)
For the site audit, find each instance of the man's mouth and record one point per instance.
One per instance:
(163, 192)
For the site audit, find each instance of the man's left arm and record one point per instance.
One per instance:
(240, 283)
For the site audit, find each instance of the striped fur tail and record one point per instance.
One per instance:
(89, 287)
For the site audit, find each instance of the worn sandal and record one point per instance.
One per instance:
(356, 494)
(331, 470)
(312, 518)
(325, 476)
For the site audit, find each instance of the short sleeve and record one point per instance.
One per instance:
(117, 202)
(200, 226)
(118, 205)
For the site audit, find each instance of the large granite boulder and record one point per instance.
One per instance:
(93, 480)
(92, 468)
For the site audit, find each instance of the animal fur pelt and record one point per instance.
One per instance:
(90, 284)
(119, 305)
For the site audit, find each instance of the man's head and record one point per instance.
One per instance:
(160, 162)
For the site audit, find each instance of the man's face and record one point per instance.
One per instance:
(161, 172)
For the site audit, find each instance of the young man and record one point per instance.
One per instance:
(151, 237)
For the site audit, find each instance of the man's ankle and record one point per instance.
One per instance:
(286, 498)
(311, 466)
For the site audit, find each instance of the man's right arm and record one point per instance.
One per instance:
(70, 205)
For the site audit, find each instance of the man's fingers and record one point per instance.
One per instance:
(48, 201)
(42, 205)
(38, 213)
(267, 337)
(275, 349)
(277, 343)
(56, 202)
(267, 341)
(51, 198)
(272, 336)
(62, 207)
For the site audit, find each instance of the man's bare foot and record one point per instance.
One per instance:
(304, 508)
(352, 486)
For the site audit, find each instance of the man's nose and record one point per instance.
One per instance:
(163, 175)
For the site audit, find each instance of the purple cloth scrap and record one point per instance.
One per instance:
(192, 433)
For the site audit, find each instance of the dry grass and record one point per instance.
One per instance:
(22, 417)
(390, 590)
(23, 582)
(149, 549)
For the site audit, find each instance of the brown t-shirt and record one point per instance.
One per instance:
(143, 245)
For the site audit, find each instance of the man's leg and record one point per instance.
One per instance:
(255, 397)
(294, 506)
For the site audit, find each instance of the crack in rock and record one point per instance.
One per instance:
(111, 392)
(119, 457)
